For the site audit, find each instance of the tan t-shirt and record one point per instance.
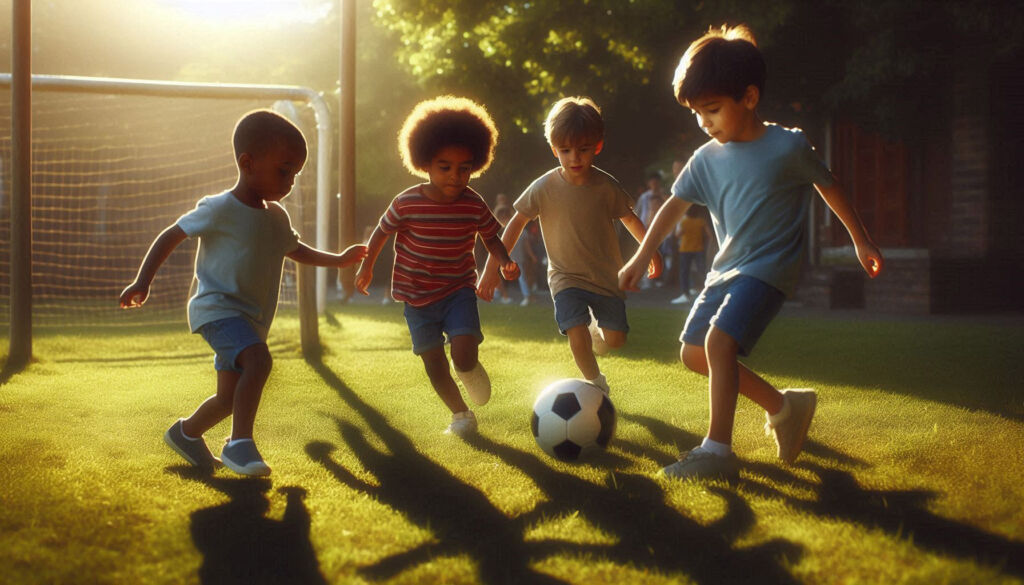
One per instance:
(578, 226)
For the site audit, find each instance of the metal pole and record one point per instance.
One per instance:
(347, 140)
(21, 183)
(309, 304)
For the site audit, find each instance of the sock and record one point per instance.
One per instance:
(780, 416)
(720, 449)
(234, 442)
(188, 438)
(600, 381)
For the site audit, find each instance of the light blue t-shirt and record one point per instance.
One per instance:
(240, 258)
(758, 194)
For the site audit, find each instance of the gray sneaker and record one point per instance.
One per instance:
(700, 464)
(194, 451)
(477, 384)
(463, 424)
(243, 458)
(791, 431)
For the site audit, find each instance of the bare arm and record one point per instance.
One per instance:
(489, 278)
(305, 254)
(868, 254)
(638, 231)
(136, 293)
(664, 222)
(373, 247)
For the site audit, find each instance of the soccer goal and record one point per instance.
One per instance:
(114, 162)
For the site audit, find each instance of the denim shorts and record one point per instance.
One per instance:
(456, 314)
(573, 307)
(228, 337)
(742, 307)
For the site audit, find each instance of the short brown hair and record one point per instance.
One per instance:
(447, 121)
(725, 61)
(573, 120)
(258, 130)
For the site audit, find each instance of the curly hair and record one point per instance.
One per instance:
(724, 61)
(573, 120)
(447, 121)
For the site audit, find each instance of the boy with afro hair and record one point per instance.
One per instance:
(446, 140)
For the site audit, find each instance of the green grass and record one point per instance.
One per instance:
(913, 473)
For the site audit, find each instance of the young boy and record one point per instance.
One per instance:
(755, 180)
(446, 140)
(244, 236)
(577, 204)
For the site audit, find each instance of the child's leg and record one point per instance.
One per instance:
(465, 352)
(749, 383)
(582, 348)
(727, 320)
(255, 362)
(436, 364)
(215, 408)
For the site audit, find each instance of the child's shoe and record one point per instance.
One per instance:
(699, 463)
(194, 451)
(463, 424)
(600, 346)
(602, 383)
(792, 422)
(477, 384)
(242, 457)
(683, 298)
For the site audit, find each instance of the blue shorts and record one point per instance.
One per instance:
(742, 307)
(453, 315)
(228, 337)
(573, 307)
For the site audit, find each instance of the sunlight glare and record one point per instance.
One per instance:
(253, 11)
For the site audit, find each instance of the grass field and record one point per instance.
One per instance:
(913, 473)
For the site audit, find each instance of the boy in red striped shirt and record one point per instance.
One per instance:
(447, 140)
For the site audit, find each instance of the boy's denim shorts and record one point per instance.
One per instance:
(573, 306)
(228, 337)
(456, 314)
(742, 307)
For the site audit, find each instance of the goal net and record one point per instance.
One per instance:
(109, 173)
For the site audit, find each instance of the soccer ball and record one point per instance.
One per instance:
(572, 417)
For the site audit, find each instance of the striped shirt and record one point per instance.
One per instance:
(434, 243)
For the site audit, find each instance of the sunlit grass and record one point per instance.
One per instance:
(913, 473)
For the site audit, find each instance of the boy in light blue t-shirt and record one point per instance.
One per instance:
(244, 236)
(755, 179)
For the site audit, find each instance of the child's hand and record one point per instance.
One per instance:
(510, 270)
(134, 295)
(870, 258)
(631, 273)
(486, 285)
(655, 267)
(353, 254)
(364, 277)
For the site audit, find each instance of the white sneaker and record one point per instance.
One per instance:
(602, 383)
(477, 384)
(600, 346)
(463, 424)
(683, 298)
(525, 302)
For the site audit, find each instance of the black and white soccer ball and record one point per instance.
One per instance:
(572, 417)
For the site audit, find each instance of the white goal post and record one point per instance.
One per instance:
(106, 113)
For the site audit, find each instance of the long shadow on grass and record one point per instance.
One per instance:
(903, 514)
(647, 531)
(240, 545)
(460, 516)
(631, 507)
